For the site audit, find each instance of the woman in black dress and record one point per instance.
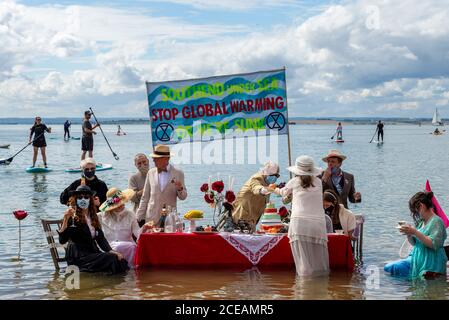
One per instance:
(82, 230)
(38, 129)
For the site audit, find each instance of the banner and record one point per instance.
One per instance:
(220, 107)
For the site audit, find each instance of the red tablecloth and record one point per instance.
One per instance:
(211, 250)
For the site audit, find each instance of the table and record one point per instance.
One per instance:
(211, 250)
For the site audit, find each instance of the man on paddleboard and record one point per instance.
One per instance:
(380, 131)
(87, 142)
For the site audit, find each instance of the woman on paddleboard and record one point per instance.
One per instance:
(339, 131)
(38, 130)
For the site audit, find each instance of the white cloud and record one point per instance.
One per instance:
(413, 105)
(400, 64)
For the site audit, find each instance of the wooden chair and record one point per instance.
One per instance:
(358, 243)
(54, 245)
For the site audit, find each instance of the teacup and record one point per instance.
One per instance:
(402, 223)
(339, 231)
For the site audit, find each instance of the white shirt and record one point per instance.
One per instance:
(119, 227)
(164, 176)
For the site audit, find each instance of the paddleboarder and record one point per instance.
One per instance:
(38, 130)
(380, 131)
(67, 125)
(87, 142)
(339, 131)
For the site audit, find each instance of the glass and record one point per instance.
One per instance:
(83, 197)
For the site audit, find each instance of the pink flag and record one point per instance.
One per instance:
(437, 206)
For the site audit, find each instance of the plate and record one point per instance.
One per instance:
(205, 232)
(275, 234)
(193, 219)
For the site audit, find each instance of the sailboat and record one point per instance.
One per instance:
(436, 120)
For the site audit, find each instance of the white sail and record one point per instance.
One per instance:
(436, 120)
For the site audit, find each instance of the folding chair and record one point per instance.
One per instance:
(54, 246)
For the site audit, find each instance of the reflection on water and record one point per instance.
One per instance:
(385, 174)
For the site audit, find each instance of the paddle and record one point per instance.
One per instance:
(113, 153)
(334, 135)
(373, 136)
(9, 160)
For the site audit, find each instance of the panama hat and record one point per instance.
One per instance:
(116, 198)
(161, 151)
(334, 154)
(82, 189)
(305, 166)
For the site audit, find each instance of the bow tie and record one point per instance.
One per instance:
(161, 170)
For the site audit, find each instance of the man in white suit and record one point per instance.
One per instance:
(164, 185)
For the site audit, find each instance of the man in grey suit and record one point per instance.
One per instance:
(164, 184)
(338, 180)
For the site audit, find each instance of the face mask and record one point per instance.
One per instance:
(329, 210)
(334, 170)
(83, 203)
(271, 179)
(89, 174)
(144, 169)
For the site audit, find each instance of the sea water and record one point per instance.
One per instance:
(386, 174)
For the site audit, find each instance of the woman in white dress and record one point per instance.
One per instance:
(307, 230)
(120, 224)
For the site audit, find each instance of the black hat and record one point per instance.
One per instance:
(82, 190)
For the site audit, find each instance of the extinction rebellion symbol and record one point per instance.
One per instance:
(275, 121)
(164, 131)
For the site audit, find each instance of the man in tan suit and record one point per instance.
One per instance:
(163, 185)
(254, 195)
(338, 180)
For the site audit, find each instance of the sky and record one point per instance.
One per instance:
(343, 58)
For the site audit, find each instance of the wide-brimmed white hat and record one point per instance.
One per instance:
(305, 166)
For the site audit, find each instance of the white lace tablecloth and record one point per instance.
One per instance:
(252, 247)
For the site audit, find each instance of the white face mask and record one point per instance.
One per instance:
(83, 203)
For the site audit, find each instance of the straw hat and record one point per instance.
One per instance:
(161, 151)
(334, 154)
(305, 166)
(116, 198)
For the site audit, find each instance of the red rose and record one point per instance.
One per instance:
(204, 187)
(218, 186)
(20, 214)
(283, 211)
(230, 196)
(208, 199)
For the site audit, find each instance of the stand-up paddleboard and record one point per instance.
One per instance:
(75, 138)
(100, 167)
(378, 142)
(38, 169)
(4, 146)
(340, 141)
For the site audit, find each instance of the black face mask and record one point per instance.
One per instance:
(329, 210)
(89, 174)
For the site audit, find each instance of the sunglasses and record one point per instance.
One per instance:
(38, 119)
(275, 175)
(83, 197)
(89, 169)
